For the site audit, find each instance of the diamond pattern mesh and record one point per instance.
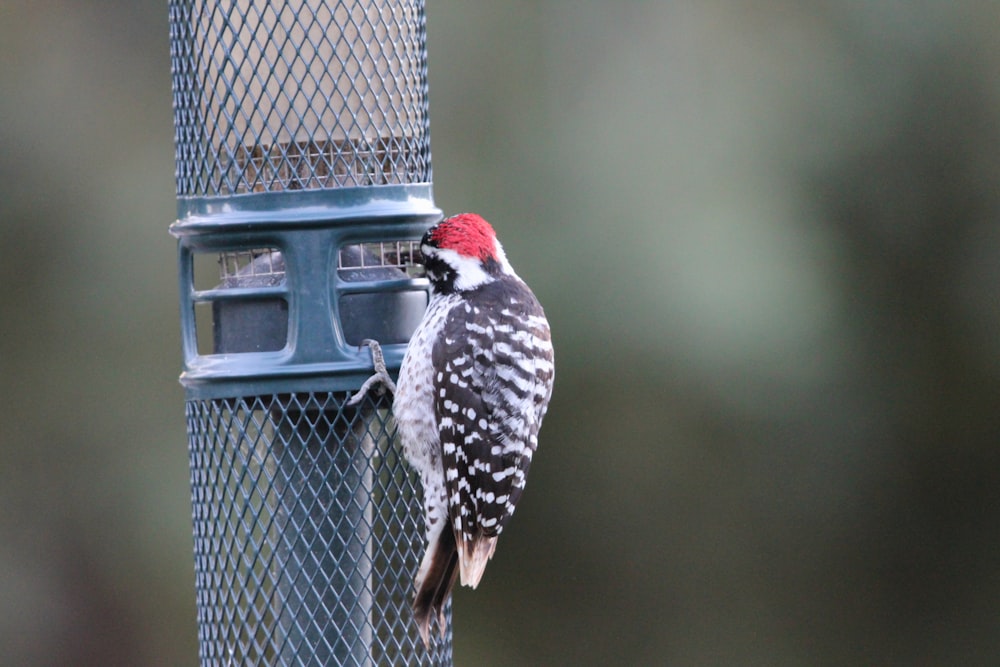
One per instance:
(307, 534)
(298, 94)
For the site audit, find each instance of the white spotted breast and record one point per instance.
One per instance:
(413, 406)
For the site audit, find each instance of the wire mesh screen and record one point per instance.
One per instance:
(274, 95)
(307, 534)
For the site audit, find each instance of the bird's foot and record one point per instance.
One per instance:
(381, 376)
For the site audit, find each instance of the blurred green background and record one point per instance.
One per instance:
(767, 236)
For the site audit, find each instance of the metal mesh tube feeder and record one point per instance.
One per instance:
(303, 186)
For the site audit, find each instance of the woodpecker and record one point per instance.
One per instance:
(473, 389)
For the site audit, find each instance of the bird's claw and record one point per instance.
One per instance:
(381, 376)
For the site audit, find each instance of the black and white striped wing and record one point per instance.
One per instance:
(496, 357)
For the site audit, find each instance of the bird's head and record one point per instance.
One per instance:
(461, 253)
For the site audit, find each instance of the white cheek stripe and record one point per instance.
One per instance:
(469, 272)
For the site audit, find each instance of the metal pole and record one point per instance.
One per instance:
(323, 566)
(303, 168)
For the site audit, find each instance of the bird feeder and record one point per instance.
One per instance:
(303, 187)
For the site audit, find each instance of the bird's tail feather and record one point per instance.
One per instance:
(435, 580)
(473, 555)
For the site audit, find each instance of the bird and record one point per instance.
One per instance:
(473, 388)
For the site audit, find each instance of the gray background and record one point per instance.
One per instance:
(767, 240)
